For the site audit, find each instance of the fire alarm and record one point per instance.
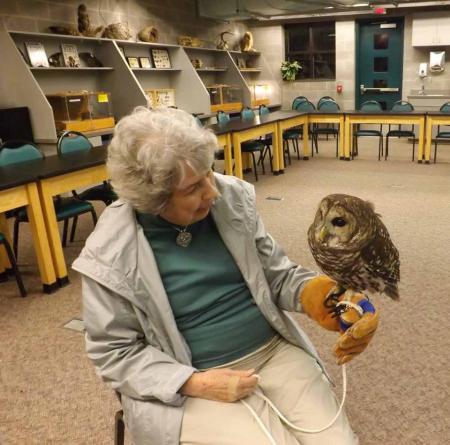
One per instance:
(339, 88)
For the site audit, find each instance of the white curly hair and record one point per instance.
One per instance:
(149, 152)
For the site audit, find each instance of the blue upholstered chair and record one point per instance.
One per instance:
(12, 260)
(15, 152)
(298, 100)
(307, 106)
(75, 142)
(403, 106)
(441, 134)
(316, 131)
(370, 105)
(253, 146)
(267, 139)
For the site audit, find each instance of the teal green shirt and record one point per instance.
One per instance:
(212, 304)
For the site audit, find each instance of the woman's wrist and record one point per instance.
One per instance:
(191, 386)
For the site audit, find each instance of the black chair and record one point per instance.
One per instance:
(371, 105)
(14, 152)
(325, 105)
(404, 106)
(441, 134)
(12, 259)
(267, 140)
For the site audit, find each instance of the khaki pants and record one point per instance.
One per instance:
(294, 382)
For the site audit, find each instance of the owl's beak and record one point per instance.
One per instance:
(323, 234)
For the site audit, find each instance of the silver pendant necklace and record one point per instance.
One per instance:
(183, 238)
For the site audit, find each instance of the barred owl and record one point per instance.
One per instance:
(351, 245)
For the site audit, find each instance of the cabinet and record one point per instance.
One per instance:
(431, 29)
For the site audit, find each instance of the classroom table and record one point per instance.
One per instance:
(244, 130)
(383, 117)
(433, 118)
(62, 174)
(18, 187)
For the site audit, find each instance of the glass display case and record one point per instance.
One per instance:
(82, 111)
(260, 94)
(158, 97)
(225, 97)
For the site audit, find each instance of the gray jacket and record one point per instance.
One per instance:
(131, 334)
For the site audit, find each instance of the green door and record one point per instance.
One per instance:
(379, 62)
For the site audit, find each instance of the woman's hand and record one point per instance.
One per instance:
(222, 385)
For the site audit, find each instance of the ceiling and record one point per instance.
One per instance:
(290, 9)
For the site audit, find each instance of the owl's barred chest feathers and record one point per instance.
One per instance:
(351, 245)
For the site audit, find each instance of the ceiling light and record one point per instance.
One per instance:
(358, 5)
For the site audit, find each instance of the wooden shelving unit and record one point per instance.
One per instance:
(22, 85)
(218, 68)
(190, 94)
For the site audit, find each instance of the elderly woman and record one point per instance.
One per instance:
(187, 301)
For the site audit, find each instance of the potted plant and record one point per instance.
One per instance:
(290, 69)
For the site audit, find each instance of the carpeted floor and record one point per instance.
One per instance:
(398, 391)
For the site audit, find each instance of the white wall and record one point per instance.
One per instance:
(171, 17)
(270, 41)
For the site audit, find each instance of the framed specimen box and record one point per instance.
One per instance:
(133, 62)
(36, 54)
(161, 97)
(145, 62)
(70, 55)
(161, 58)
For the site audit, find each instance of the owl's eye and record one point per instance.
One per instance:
(339, 222)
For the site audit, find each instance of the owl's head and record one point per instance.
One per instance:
(342, 220)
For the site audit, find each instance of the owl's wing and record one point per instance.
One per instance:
(381, 258)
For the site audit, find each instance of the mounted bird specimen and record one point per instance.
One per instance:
(223, 44)
(351, 245)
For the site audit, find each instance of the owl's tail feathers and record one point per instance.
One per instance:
(392, 292)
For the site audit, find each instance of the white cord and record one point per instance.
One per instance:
(291, 425)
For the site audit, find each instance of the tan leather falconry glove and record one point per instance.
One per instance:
(356, 330)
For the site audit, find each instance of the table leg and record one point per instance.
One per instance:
(40, 240)
(277, 150)
(4, 260)
(228, 157)
(347, 139)
(305, 141)
(341, 138)
(428, 135)
(51, 225)
(237, 156)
